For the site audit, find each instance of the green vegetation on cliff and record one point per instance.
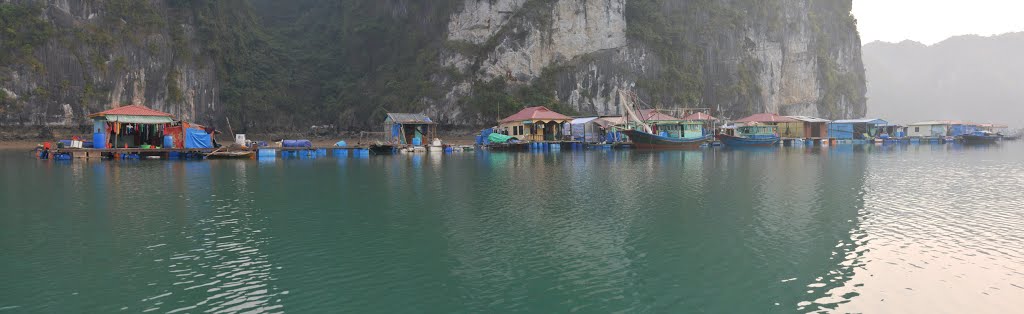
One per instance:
(22, 29)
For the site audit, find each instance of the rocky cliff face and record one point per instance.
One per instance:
(466, 62)
(737, 57)
(101, 54)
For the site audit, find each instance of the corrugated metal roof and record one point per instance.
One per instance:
(935, 122)
(410, 118)
(132, 110)
(700, 116)
(582, 120)
(869, 121)
(138, 119)
(765, 118)
(808, 119)
(535, 113)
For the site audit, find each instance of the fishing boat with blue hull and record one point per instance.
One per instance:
(751, 136)
(980, 137)
(644, 140)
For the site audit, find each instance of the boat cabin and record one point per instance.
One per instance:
(708, 122)
(671, 126)
(757, 131)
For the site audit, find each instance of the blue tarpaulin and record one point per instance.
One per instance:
(841, 131)
(196, 138)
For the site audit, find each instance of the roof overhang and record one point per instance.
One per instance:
(135, 119)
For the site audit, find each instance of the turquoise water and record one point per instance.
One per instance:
(846, 229)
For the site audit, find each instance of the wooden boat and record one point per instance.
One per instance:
(383, 149)
(246, 154)
(751, 136)
(981, 137)
(644, 140)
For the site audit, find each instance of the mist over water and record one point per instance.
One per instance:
(849, 228)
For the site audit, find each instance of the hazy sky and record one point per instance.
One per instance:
(931, 21)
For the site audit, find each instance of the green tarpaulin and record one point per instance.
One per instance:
(500, 138)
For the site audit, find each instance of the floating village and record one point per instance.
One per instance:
(138, 132)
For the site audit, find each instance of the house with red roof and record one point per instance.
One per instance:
(137, 126)
(534, 124)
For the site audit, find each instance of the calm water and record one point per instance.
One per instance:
(865, 229)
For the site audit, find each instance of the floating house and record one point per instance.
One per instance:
(806, 128)
(928, 129)
(133, 126)
(534, 124)
(670, 126)
(592, 129)
(856, 129)
(409, 128)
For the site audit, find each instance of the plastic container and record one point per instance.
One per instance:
(267, 153)
(321, 152)
(417, 141)
(87, 144)
(297, 143)
(168, 141)
(479, 140)
(99, 140)
(341, 144)
(340, 153)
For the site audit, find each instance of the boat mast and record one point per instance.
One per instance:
(630, 110)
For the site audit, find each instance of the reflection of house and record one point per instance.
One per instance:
(667, 125)
(534, 124)
(806, 128)
(856, 129)
(409, 128)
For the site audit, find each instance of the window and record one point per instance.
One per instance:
(917, 129)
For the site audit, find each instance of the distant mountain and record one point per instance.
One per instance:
(964, 78)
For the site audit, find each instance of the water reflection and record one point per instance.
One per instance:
(868, 228)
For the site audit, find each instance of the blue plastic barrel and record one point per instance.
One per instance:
(99, 140)
(168, 141)
(556, 146)
(417, 141)
(341, 144)
(87, 144)
(321, 152)
(267, 153)
(479, 140)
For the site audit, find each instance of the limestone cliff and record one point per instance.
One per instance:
(737, 57)
(274, 65)
(100, 54)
